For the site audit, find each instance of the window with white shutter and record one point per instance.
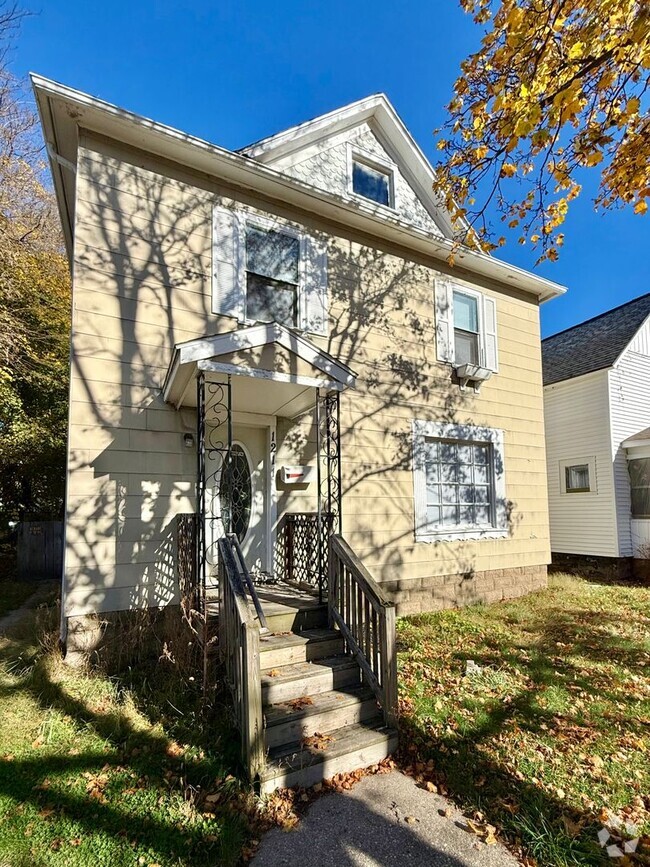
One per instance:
(266, 270)
(466, 326)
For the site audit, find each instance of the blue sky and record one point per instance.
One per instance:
(232, 72)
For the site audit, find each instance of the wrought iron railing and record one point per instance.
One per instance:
(299, 557)
(239, 645)
(366, 618)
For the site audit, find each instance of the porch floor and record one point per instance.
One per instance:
(286, 607)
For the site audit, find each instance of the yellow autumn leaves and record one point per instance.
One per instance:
(555, 88)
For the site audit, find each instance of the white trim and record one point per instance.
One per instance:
(272, 518)
(204, 348)
(67, 109)
(590, 462)
(358, 154)
(440, 430)
(272, 375)
(283, 227)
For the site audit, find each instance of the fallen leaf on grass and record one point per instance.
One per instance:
(572, 828)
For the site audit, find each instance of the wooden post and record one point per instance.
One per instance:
(389, 666)
(253, 727)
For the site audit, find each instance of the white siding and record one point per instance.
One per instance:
(577, 428)
(629, 390)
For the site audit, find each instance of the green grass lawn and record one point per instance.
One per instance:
(112, 771)
(552, 736)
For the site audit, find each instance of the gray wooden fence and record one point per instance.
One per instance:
(40, 550)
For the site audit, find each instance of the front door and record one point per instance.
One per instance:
(238, 497)
(250, 494)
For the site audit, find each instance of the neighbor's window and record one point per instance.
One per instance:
(466, 329)
(371, 182)
(577, 479)
(272, 276)
(639, 470)
(460, 491)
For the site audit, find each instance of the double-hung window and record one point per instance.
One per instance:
(272, 276)
(639, 469)
(459, 482)
(467, 333)
(265, 269)
(466, 325)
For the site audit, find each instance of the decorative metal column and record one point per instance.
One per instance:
(214, 447)
(328, 477)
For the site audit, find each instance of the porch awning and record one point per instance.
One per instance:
(277, 370)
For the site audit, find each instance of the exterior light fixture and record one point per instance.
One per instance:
(188, 440)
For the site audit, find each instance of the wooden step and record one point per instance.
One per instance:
(290, 722)
(309, 678)
(356, 746)
(305, 646)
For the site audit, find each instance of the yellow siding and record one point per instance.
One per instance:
(142, 283)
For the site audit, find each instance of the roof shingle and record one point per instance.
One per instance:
(594, 344)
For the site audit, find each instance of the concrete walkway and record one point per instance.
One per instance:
(368, 827)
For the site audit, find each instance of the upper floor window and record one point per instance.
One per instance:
(371, 177)
(466, 325)
(265, 269)
(467, 333)
(371, 183)
(272, 276)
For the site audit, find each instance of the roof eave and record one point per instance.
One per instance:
(63, 110)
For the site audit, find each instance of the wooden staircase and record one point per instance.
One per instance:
(314, 684)
(320, 719)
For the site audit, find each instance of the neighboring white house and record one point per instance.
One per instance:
(597, 417)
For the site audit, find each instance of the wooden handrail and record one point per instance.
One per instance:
(239, 643)
(366, 618)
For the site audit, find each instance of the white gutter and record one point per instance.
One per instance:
(81, 110)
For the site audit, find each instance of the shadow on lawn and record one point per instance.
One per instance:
(138, 762)
(525, 811)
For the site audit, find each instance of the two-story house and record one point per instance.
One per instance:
(287, 342)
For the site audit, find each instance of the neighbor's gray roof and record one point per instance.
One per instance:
(594, 344)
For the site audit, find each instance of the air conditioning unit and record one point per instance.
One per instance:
(472, 375)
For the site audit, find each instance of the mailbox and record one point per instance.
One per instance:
(297, 475)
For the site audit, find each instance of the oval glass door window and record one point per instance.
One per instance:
(236, 495)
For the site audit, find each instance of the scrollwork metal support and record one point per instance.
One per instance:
(214, 447)
(328, 474)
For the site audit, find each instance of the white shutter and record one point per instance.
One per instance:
(444, 320)
(228, 290)
(489, 334)
(313, 303)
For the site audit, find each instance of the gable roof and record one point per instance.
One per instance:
(379, 113)
(64, 111)
(595, 344)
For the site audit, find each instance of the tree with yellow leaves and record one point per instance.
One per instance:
(557, 86)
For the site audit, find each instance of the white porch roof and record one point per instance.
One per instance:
(277, 370)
